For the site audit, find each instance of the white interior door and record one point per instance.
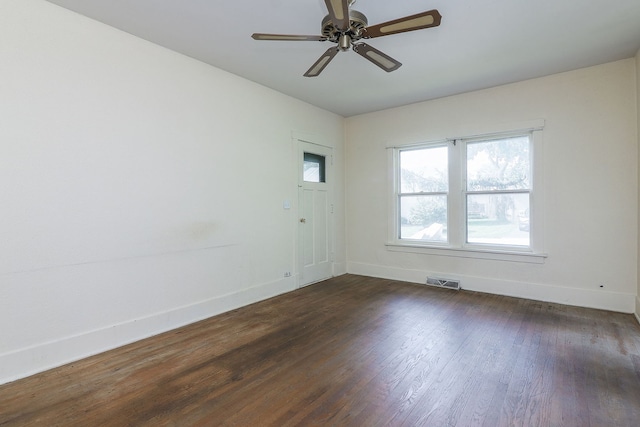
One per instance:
(315, 249)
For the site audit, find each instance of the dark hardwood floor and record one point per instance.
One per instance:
(356, 351)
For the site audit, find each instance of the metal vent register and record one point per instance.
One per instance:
(443, 283)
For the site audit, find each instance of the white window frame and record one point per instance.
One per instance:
(399, 194)
(456, 244)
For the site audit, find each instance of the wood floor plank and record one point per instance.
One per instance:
(356, 351)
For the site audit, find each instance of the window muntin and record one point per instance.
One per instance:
(423, 193)
(471, 193)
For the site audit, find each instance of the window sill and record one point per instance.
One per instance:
(497, 255)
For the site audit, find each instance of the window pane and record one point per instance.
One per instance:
(424, 218)
(424, 170)
(502, 164)
(313, 168)
(498, 219)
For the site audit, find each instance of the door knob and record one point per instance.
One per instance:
(303, 220)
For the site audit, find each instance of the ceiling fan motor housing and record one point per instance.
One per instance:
(357, 22)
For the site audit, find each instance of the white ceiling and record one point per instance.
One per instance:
(479, 44)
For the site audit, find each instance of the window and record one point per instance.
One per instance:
(498, 189)
(314, 168)
(423, 194)
(466, 194)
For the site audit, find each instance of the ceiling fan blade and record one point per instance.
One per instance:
(339, 13)
(322, 62)
(382, 60)
(418, 21)
(287, 37)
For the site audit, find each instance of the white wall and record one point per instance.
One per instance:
(638, 122)
(590, 165)
(140, 189)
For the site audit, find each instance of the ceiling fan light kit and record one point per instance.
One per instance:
(346, 27)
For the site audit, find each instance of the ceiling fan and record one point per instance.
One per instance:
(346, 27)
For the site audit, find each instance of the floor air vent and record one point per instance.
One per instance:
(443, 283)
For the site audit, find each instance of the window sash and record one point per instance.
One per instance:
(432, 231)
(510, 231)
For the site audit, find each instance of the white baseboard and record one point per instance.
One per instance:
(339, 268)
(28, 361)
(637, 312)
(600, 299)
